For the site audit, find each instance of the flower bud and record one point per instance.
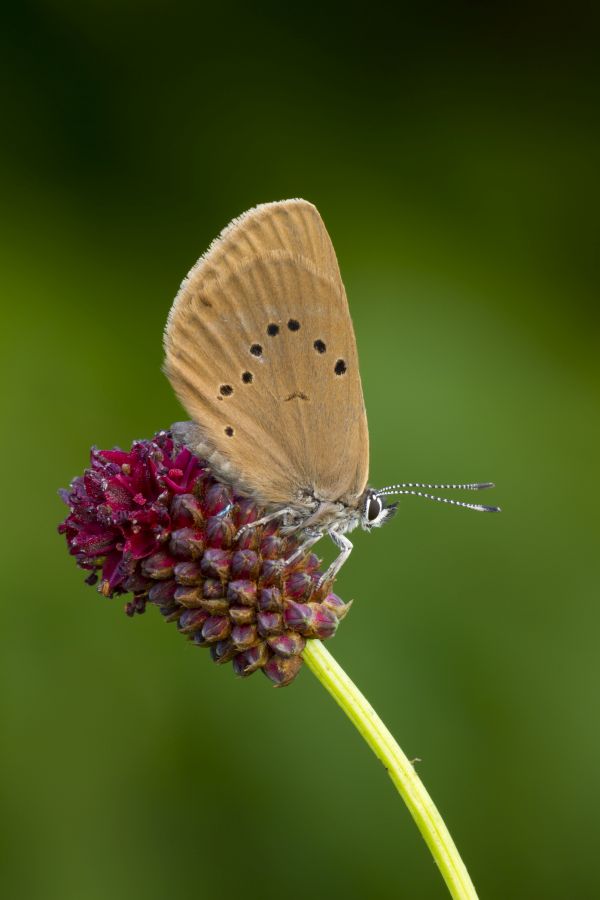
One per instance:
(136, 583)
(272, 547)
(299, 586)
(187, 542)
(269, 599)
(216, 628)
(269, 622)
(220, 532)
(242, 592)
(281, 671)
(218, 497)
(188, 573)
(271, 573)
(249, 540)
(188, 596)
(247, 512)
(158, 566)
(290, 643)
(216, 563)
(337, 606)
(186, 510)
(242, 615)
(223, 651)
(297, 616)
(249, 661)
(162, 592)
(213, 589)
(170, 611)
(245, 564)
(244, 636)
(192, 620)
(323, 623)
(216, 607)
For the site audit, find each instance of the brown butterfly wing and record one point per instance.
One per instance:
(261, 352)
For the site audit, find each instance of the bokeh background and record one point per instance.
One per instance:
(453, 154)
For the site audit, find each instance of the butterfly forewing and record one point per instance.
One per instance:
(261, 352)
(291, 225)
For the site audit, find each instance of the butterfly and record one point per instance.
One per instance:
(261, 352)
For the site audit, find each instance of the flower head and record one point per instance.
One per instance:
(154, 522)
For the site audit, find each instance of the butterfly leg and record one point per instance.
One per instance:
(280, 513)
(312, 537)
(345, 548)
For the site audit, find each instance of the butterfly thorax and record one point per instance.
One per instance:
(332, 514)
(324, 516)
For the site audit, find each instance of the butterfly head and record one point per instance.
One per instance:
(374, 511)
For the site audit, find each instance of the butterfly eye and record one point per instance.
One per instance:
(374, 508)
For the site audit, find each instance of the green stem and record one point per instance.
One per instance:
(400, 769)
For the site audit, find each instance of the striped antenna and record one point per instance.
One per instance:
(398, 489)
(477, 486)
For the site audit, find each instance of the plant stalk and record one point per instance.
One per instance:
(400, 769)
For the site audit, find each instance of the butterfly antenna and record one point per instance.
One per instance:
(408, 488)
(476, 486)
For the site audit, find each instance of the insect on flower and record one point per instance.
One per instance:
(261, 352)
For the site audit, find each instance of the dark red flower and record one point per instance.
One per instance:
(155, 523)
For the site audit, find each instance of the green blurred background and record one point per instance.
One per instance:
(452, 152)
